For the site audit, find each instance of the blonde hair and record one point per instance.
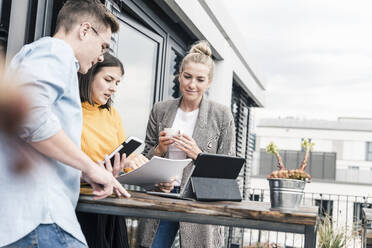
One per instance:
(200, 53)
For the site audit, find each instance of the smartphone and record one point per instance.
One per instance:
(127, 147)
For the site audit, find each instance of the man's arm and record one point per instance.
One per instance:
(45, 79)
(60, 147)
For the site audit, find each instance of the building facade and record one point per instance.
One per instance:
(154, 36)
(340, 165)
(342, 151)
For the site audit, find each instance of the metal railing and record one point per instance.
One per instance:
(345, 211)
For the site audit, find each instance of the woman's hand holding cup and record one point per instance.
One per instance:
(164, 141)
(188, 145)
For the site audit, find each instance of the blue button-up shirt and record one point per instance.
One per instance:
(48, 193)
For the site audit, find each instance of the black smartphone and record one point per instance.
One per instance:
(127, 147)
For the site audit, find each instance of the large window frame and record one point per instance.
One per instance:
(369, 151)
(144, 16)
(127, 20)
(171, 78)
(241, 108)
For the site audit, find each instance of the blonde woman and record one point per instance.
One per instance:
(206, 127)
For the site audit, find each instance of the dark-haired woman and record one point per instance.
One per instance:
(102, 132)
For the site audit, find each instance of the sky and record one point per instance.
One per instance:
(315, 56)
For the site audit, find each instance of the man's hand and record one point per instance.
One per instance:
(103, 182)
(118, 164)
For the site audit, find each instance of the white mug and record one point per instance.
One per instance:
(172, 132)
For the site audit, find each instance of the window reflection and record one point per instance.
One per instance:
(133, 100)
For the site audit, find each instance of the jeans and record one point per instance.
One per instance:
(165, 234)
(47, 236)
(167, 231)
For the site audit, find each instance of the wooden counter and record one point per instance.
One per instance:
(246, 214)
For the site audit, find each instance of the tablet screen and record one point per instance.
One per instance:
(217, 166)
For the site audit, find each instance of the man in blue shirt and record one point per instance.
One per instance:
(38, 208)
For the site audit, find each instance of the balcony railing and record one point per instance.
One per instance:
(345, 211)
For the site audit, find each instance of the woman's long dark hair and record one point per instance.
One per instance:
(86, 80)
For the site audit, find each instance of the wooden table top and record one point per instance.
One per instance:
(251, 210)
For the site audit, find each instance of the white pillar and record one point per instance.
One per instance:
(221, 88)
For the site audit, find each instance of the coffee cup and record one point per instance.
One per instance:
(170, 132)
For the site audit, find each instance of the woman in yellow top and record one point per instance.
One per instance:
(102, 132)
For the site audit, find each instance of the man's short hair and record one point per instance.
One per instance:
(75, 11)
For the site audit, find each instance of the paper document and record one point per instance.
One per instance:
(157, 170)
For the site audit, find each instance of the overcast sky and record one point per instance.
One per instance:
(315, 55)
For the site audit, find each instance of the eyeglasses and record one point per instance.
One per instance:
(105, 47)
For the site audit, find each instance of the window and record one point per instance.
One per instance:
(353, 173)
(253, 140)
(353, 167)
(255, 197)
(138, 48)
(369, 151)
(241, 105)
(358, 212)
(171, 84)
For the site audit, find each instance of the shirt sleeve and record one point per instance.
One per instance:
(44, 76)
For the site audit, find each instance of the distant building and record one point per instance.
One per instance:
(341, 165)
(342, 152)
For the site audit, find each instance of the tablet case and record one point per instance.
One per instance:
(214, 177)
(215, 189)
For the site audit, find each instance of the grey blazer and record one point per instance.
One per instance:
(214, 132)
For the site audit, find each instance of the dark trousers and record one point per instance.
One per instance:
(104, 231)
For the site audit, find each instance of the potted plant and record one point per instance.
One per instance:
(287, 186)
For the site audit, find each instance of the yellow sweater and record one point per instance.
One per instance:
(103, 131)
